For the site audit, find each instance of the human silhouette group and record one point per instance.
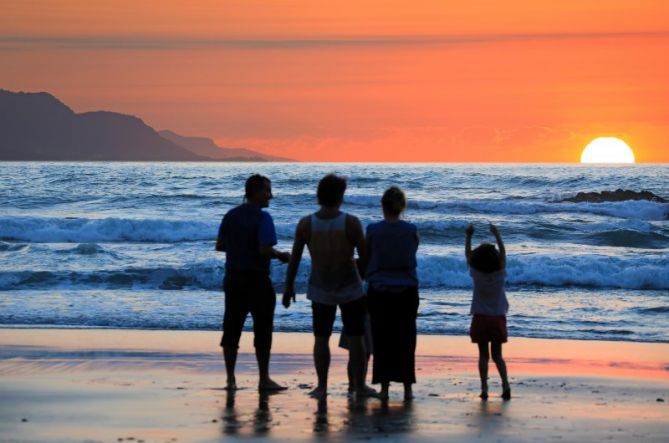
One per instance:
(376, 293)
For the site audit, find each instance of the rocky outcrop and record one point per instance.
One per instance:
(618, 195)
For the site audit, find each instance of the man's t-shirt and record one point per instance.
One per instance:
(243, 230)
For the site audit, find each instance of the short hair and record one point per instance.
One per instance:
(254, 183)
(394, 201)
(331, 190)
(486, 258)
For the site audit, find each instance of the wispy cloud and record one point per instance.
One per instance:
(14, 42)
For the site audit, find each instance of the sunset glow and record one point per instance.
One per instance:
(359, 81)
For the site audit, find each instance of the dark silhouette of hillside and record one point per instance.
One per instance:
(206, 147)
(38, 126)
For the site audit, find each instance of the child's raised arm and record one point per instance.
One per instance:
(500, 245)
(468, 242)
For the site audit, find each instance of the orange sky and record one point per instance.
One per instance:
(518, 80)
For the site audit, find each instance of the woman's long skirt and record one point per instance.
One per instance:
(393, 315)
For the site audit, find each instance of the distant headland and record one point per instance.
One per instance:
(38, 126)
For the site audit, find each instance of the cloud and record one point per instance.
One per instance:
(175, 43)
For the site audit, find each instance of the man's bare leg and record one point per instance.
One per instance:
(265, 383)
(322, 363)
(230, 357)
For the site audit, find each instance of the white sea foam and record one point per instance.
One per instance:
(91, 230)
(434, 271)
(644, 210)
(645, 272)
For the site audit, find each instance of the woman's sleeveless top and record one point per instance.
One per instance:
(392, 256)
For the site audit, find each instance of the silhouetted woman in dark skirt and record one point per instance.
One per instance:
(393, 294)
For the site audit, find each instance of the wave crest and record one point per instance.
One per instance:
(447, 271)
(112, 229)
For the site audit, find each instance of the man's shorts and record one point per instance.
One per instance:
(352, 315)
(248, 292)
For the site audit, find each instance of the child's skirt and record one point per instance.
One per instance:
(488, 328)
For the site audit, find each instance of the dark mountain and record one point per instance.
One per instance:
(206, 147)
(37, 126)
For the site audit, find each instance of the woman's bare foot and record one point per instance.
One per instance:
(366, 390)
(319, 393)
(369, 390)
(408, 392)
(270, 385)
(483, 395)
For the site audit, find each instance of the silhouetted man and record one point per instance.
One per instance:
(332, 236)
(247, 236)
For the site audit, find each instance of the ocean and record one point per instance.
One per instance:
(131, 245)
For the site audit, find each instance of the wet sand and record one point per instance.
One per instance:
(119, 385)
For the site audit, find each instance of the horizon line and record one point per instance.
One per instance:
(137, 42)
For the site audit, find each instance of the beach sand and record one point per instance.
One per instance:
(166, 386)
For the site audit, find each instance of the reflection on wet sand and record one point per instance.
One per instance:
(260, 423)
(489, 416)
(374, 417)
(321, 423)
(366, 418)
(229, 417)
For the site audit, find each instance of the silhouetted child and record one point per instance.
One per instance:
(369, 347)
(487, 266)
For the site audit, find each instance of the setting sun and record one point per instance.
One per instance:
(607, 150)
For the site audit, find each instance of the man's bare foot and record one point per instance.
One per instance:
(270, 385)
(319, 393)
(231, 385)
(483, 395)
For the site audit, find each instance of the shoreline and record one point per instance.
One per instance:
(38, 327)
(137, 385)
(585, 357)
